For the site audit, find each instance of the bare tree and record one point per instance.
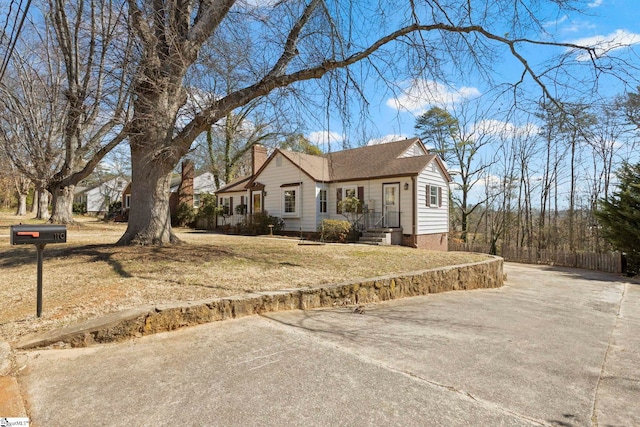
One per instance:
(94, 44)
(31, 118)
(66, 98)
(460, 142)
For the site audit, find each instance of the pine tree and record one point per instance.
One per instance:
(620, 216)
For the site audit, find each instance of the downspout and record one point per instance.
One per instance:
(414, 208)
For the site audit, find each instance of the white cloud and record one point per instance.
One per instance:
(605, 44)
(556, 22)
(420, 94)
(504, 129)
(595, 3)
(324, 137)
(386, 138)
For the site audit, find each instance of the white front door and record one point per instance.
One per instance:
(391, 205)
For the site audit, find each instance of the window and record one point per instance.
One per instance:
(290, 199)
(127, 201)
(196, 201)
(225, 203)
(323, 201)
(290, 202)
(350, 192)
(434, 196)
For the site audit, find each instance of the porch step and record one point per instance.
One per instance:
(376, 237)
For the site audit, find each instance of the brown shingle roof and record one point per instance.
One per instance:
(372, 161)
(317, 167)
(235, 185)
(377, 161)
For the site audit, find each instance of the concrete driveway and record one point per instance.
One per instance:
(552, 347)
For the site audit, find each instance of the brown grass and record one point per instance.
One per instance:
(89, 276)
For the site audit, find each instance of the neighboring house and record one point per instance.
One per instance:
(98, 198)
(403, 189)
(186, 188)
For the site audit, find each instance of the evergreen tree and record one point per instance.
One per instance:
(620, 216)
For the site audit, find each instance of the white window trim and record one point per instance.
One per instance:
(325, 200)
(296, 213)
(349, 187)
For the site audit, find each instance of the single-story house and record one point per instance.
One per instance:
(403, 190)
(98, 197)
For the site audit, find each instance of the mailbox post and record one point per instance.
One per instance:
(38, 235)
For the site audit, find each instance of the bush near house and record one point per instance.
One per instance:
(79, 208)
(206, 214)
(259, 224)
(333, 230)
(185, 215)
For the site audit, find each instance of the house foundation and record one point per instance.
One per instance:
(431, 242)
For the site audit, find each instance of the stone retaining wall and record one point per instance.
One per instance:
(145, 321)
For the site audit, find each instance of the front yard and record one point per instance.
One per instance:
(88, 276)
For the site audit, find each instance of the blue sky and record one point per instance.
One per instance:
(609, 24)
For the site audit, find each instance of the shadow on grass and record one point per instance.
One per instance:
(115, 256)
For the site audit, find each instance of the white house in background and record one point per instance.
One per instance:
(185, 188)
(98, 198)
(403, 189)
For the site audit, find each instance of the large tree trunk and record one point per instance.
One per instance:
(62, 205)
(149, 216)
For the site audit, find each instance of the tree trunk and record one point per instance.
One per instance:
(43, 204)
(62, 205)
(22, 205)
(149, 216)
(35, 203)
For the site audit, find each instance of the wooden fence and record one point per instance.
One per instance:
(607, 262)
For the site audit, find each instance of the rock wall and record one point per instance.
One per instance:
(145, 321)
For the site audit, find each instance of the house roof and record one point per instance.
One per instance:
(369, 162)
(237, 184)
(317, 167)
(378, 161)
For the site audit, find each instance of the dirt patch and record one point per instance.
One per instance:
(89, 276)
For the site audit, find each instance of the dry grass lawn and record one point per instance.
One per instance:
(89, 276)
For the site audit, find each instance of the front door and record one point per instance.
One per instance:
(256, 203)
(391, 205)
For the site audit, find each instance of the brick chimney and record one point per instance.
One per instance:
(258, 157)
(185, 191)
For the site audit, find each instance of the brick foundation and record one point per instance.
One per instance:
(432, 242)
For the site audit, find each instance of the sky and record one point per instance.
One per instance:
(612, 25)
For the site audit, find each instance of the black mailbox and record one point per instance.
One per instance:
(38, 234)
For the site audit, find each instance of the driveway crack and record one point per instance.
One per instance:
(594, 414)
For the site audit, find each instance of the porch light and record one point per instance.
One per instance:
(406, 185)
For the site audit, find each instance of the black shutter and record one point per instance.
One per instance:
(230, 205)
(338, 200)
(428, 194)
(361, 198)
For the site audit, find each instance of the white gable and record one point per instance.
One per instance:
(414, 151)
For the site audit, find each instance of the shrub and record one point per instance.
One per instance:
(332, 230)
(79, 208)
(184, 216)
(114, 209)
(206, 214)
(259, 224)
